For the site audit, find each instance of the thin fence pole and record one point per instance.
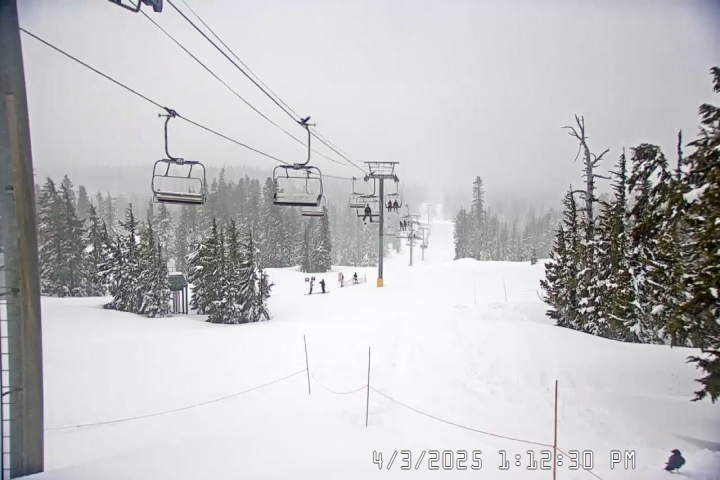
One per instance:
(307, 365)
(367, 404)
(475, 293)
(555, 433)
(505, 290)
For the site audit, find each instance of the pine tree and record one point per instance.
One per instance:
(323, 246)
(164, 229)
(109, 213)
(124, 268)
(701, 219)
(553, 285)
(571, 263)
(51, 253)
(98, 245)
(254, 283)
(533, 256)
(203, 265)
(649, 236)
(83, 203)
(477, 214)
(73, 274)
(153, 284)
(461, 234)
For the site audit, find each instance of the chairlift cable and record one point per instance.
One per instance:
(162, 107)
(238, 58)
(271, 97)
(231, 89)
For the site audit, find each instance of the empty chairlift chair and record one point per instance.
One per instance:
(318, 211)
(176, 186)
(308, 178)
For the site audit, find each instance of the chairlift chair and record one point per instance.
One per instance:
(359, 200)
(374, 203)
(309, 175)
(316, 211)
(313, 188)
(170, 193)
(391, 198)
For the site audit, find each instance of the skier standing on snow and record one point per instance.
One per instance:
(322, 284)
(355, 278)
(312, 282)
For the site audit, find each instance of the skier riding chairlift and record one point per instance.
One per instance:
(390, 205)
(396, 205)
(368, 214)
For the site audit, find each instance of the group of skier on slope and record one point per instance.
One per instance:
(341, 279)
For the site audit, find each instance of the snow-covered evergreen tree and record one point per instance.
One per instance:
(153, 285)
(165, 231)
(83, 203)
(254, 283)
(72, 232)
(203, 265)
(701, 219)
(51, 253)
(323, 246)
(124, 267)
(97, 254)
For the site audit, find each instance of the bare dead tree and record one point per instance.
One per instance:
(590, 160)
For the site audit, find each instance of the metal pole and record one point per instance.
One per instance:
(307, 365)
(382, 232)
(367, 404)
(20, 249)
(412, 237)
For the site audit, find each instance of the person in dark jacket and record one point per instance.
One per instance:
(396, 206)
(368, 214)
(675, 461)
(322, 284)
(355, 278)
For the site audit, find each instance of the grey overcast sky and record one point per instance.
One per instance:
(450, 88)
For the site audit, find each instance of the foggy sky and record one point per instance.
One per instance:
(450, 88)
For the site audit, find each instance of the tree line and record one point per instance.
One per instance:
(643, 265)
(87, 250)
(481, 235)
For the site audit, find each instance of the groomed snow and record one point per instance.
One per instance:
(465, 341)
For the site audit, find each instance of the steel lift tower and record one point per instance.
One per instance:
(381, 171)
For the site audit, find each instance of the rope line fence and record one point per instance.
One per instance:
(174, 410)
(367, 386)
(335, 391)
(520, 440)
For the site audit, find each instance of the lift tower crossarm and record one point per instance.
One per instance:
(381, 171)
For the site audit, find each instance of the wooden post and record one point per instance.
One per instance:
(555, 434)
(367, 404)
(307, 365)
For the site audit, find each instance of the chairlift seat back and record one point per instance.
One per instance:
(297, 199)
(313, 211)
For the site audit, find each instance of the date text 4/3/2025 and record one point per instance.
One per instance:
(473, 460)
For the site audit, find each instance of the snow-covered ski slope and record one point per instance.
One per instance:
(465, 342)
